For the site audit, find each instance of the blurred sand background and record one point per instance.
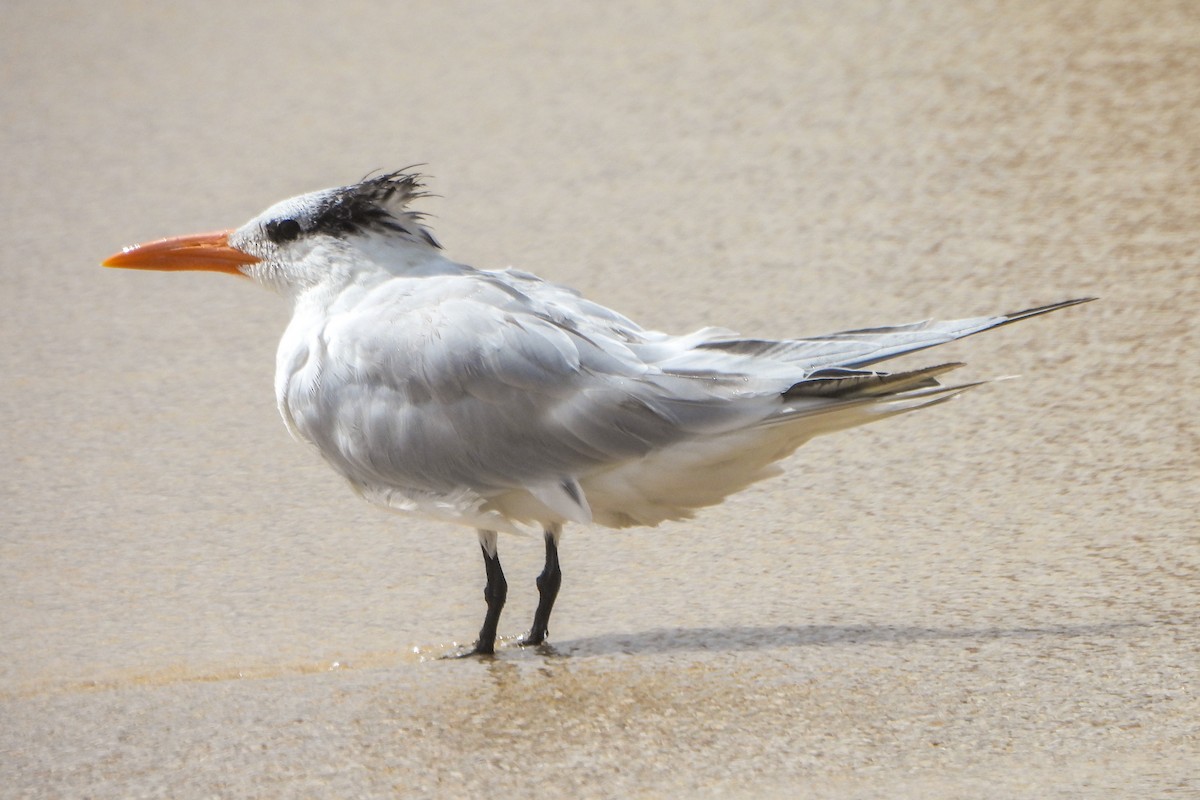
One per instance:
(995, 598)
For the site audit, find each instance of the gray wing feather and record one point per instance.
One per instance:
(470, 393)
(496, 381)
(861, 348)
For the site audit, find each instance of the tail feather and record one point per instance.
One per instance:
(850, 350)
(838, 395)
(848, 383)
(671, 482)
(827, 415)
(892, 342)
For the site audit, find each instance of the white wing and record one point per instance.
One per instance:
(467, 383)
(515, 390)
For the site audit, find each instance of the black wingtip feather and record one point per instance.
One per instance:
(1046, 309)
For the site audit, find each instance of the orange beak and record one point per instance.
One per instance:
(203, 251)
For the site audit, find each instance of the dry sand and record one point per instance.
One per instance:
(995, 598)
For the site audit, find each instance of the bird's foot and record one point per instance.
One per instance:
(536, 636)
(476, 650)
(539, 644)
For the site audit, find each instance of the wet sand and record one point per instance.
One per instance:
(997, 597)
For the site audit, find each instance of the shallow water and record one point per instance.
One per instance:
(997, 596)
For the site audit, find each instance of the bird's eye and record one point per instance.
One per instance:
(283, 230)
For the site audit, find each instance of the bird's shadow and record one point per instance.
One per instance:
(743, 638)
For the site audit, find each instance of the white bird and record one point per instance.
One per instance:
(496, 400)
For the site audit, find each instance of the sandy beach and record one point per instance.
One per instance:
(999, 597)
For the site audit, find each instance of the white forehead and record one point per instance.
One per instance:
(300, 208)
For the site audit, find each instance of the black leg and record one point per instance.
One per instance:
(547, 583)
(494, 593)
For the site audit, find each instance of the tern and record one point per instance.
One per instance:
(496, 400)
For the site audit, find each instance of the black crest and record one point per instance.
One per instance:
(378, 204)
